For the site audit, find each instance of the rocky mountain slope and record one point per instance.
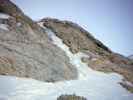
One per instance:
(26, 51)
(66, 58)
(79, 40)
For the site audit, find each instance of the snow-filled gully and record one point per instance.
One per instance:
(91, 84)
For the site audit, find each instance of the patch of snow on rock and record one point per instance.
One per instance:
(19, 24)
(4, 16)
(4, 27)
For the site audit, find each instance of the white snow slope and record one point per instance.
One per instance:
(91, 84)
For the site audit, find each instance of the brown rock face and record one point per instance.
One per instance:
(26, 51)
(79, 40)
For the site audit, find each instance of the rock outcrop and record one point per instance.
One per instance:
(26, 51)
(70, 97)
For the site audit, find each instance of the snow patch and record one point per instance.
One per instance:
(41, 24)
(4, 16)
(19, 24)
(4, 27)
(28, 89)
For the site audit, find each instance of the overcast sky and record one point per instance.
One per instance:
(110, 21)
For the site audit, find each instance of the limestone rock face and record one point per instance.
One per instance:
(26, 51)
